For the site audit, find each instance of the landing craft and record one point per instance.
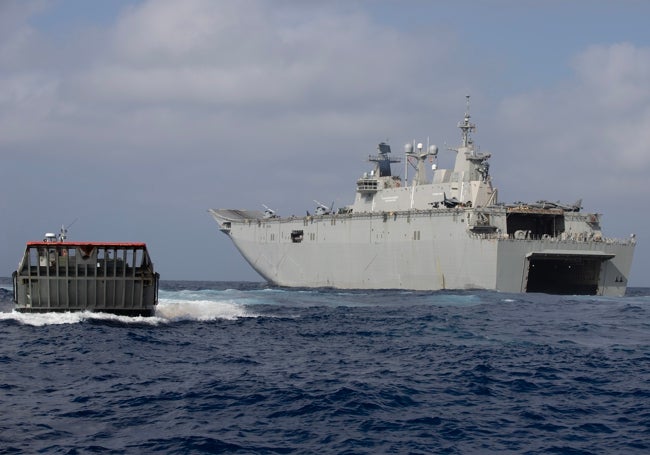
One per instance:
(57, 275)
(445, 231)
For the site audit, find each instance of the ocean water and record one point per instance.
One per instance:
(247, 368)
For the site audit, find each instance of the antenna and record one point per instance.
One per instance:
(64, 230)
(466, 127)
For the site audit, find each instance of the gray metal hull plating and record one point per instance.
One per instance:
(425, 250)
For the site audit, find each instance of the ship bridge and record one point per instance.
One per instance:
(468, 184)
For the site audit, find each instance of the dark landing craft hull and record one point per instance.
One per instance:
(116, 278)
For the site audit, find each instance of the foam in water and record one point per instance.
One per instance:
(168, 310)
(73, 317)
(200, 310)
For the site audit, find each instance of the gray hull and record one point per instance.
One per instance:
(424, 251)
(446, 232)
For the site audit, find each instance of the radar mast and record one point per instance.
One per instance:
(466, 126)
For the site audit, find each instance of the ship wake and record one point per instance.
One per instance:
(167, 311)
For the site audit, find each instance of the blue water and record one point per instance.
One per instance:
(243, 368)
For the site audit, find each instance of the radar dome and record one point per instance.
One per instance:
(408, 148)
(433, 149)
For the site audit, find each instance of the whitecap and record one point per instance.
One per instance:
(74, 317)
(201, 310)
(167, 310)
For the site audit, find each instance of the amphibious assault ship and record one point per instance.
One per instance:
(56, 275)
(444, 232)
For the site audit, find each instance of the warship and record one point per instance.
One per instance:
(441, 231)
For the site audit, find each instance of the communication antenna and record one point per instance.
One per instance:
(466, 126)
(64, 230)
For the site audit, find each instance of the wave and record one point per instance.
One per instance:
(168, 310)
(72, 317)
(201, 310)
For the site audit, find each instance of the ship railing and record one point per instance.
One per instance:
(457, 211)
(572, 238)
(347, 214)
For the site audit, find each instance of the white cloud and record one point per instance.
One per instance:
(587, 132)
(16, 37)
(194, 31)
(195, 103)
(205, 73)
(618, 74)
(252, 53)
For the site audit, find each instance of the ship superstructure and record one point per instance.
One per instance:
(447, 231)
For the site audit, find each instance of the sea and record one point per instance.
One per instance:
(247, 368)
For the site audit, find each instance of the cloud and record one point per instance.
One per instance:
(618, 73)
(615, 81)
(237, 85)
(17, 38)
(243, 55)
(259, 62)
(140, 126)
(247, 65)
(590, 130)
(179, 106)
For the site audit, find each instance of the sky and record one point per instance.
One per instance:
(127, 120)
